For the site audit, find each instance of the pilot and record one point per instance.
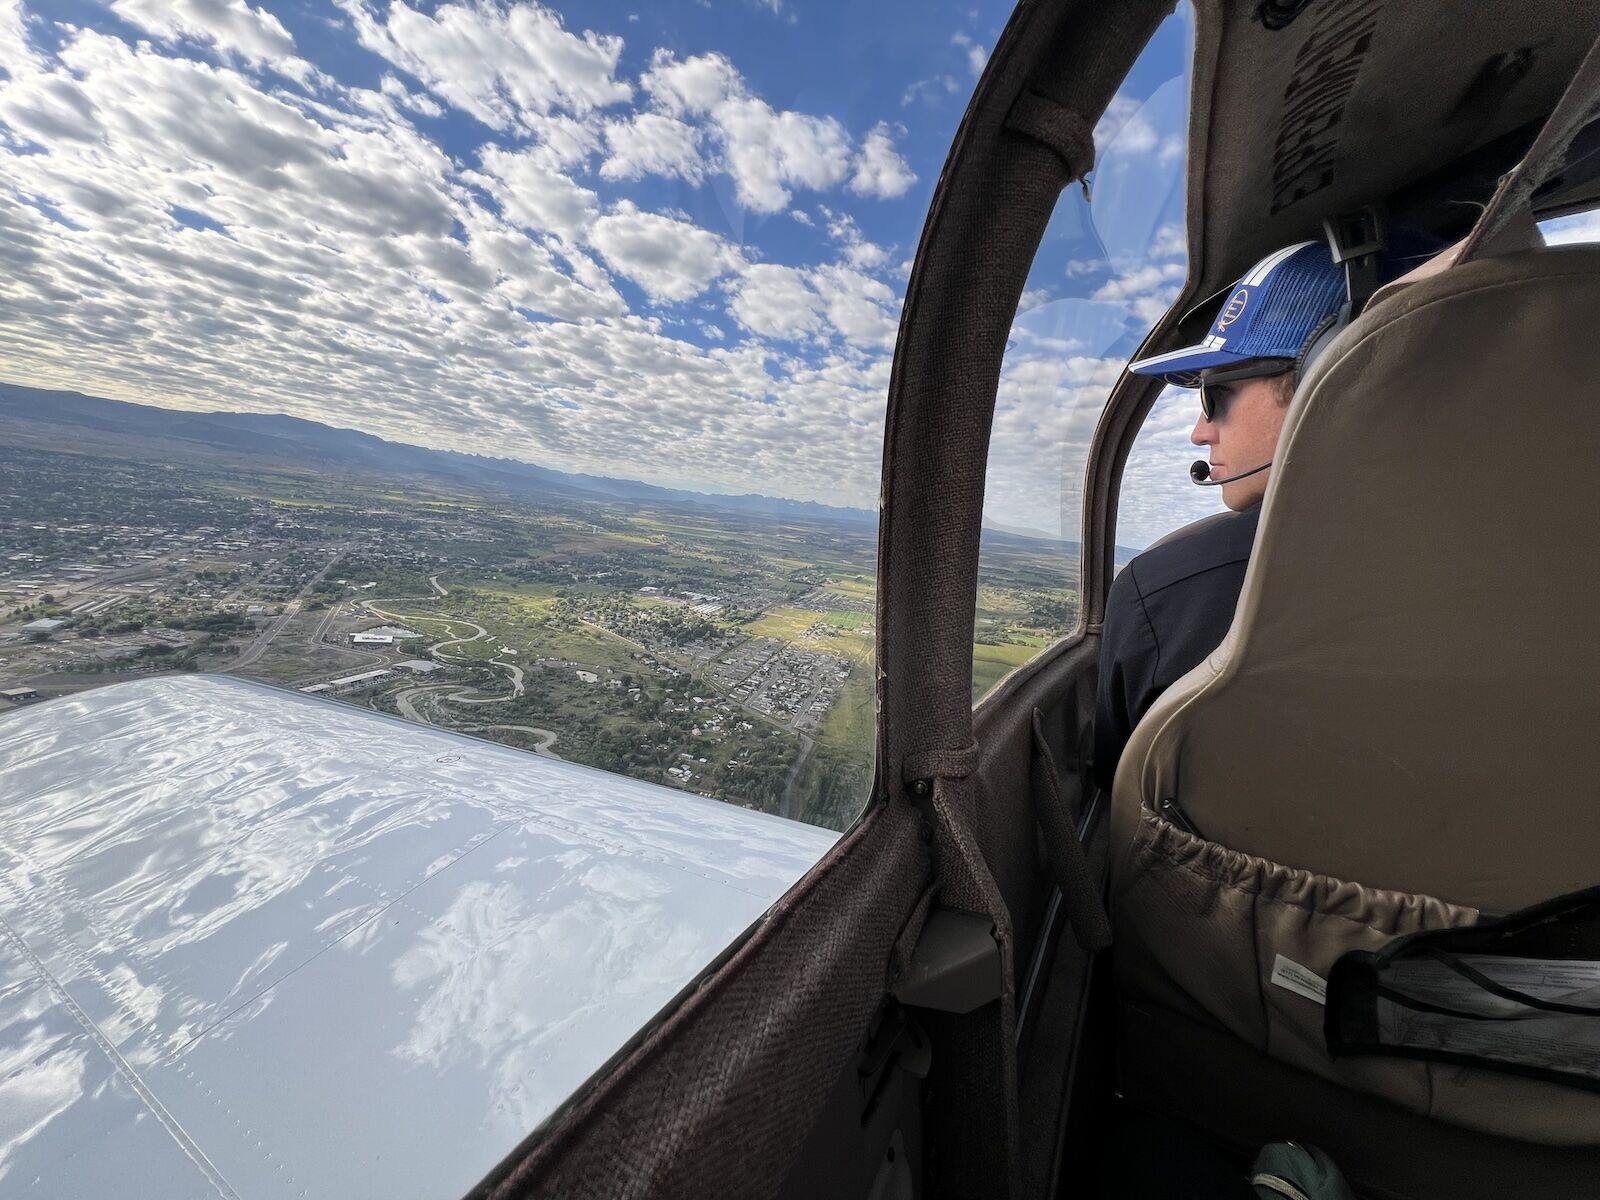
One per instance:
(1172, 605)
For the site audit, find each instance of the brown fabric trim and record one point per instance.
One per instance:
(1061, 684)
(974, 1132)
(906, 944)
(1080, 890)
(1064, 131)
(991, 208)
(941, 764)
(1572, 112)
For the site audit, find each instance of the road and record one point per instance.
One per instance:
(542, 746)
(516, 687)
(259, 647)
(433, 651)
(433, 582)
(806, 746)
(408, 709)
(322, 629)
(436, 619)
(405, 701)
(319, 640)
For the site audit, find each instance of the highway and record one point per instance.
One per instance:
(259, 647)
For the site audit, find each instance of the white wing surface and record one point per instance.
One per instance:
(256, 944)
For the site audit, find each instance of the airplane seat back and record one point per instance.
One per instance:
(1396, 735)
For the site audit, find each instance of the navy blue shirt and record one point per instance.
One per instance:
(1168, 609)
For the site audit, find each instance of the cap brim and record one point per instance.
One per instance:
(1182, 367)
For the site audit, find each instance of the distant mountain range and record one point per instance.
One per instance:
(71, 420)
(120, 429)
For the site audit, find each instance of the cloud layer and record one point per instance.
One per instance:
(508, 240)
(193, 214)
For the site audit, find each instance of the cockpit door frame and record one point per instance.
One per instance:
(1027, 133)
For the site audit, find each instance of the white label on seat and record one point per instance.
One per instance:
(1287, 973)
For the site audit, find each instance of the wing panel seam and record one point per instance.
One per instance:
(170, 1123)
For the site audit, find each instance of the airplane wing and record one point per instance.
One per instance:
(259, 944)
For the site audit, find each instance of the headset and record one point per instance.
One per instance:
(1356, 240)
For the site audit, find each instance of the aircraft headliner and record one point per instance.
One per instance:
(257, 944)
(1350, 104)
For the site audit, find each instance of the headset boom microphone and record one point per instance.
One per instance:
(1200, 471)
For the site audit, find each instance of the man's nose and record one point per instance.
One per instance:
(1204, 432)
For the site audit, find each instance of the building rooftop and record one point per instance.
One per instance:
(359, 677)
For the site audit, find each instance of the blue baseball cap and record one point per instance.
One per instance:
(1270, 313)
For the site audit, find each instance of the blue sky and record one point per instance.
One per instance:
(665, 241)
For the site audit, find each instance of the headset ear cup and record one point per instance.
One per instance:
(1311, 349)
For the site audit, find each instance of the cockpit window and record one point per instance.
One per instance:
(1566, 231)
(1111, 261)
(515, 368)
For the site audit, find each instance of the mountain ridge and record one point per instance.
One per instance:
(299, 441)
(303, 442)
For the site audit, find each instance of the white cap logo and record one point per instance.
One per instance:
(1233, 309)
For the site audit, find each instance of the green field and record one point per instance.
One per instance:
(850, 724)
(991, 664)
(782, 624)
(523, 599)
(864, 587)
(848, 620)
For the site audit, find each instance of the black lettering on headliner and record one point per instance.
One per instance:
(1297, 187)
(1331, 83)
(1303, 157)
(1317, 77)
(1325, 72)
(1314, 119)
(1307, 111)
(1334, 31)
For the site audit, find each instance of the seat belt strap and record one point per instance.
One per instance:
(1572, 112)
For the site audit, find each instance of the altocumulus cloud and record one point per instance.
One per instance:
(497, 243)
(194, 215)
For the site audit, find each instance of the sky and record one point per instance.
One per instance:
(665, 242)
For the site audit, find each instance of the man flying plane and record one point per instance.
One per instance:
(1172, 605)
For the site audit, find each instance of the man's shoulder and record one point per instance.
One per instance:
(1220, 540)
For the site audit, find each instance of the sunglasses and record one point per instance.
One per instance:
(1216, 392)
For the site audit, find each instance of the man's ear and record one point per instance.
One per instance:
(1286, 385)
